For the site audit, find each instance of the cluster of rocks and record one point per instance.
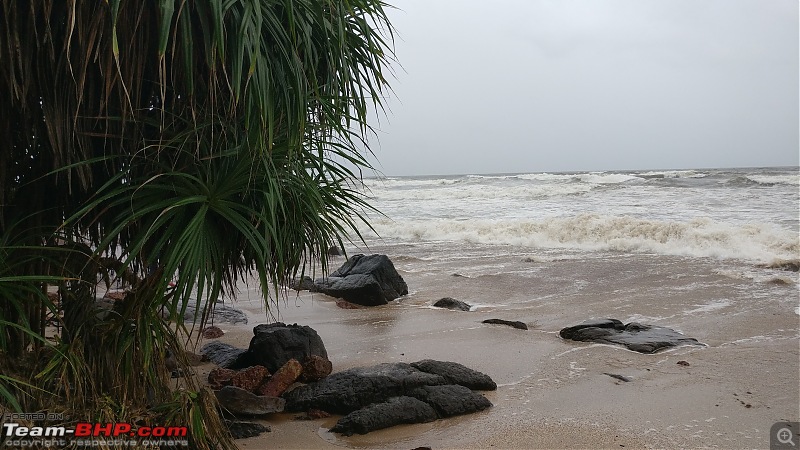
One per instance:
(381, 396)
(250, 382)
(263, 380)
(286, 367)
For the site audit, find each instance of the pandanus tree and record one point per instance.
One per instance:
(200, 141)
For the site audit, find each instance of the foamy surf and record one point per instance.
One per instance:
(759, 243)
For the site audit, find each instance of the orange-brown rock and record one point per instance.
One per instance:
(316, 368)
(219, 377)
(248, 379)
(213, 332)
(115, 295)
(282, 379)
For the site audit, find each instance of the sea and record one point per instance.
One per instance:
(750, 215)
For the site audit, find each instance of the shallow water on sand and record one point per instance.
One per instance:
(554, 393)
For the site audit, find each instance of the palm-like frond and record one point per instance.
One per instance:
(206, 140)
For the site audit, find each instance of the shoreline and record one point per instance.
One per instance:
(554, 393)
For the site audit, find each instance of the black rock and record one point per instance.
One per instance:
(237, 401)
(455, 373)
(334, 251)
(242, 430)
(349, 390)
(451, 400)
(364, 280)
(634, 336)
(451, 303)
(516, 324)
(393, 393)
(275, 344)
(221, 354)
(395, 411)
(221, 313)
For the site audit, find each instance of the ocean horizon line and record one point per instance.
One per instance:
(573, 172)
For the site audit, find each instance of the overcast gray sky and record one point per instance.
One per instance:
(568, 85)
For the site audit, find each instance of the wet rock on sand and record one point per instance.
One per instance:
(221, 354)
(634, 336)
(451, 303)
(394, 411)
(273, 345)
(514, 324)
(455, 373)
(364, 280)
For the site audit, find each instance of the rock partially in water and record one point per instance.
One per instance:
(455, 373)
(238, 401)
(514, 324)
(221, 354)
(634, 336)
(242, 430)
(394, 411)
(451, 303)
(273, 345)
(364, 280)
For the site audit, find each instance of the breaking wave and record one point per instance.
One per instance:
(759, 243)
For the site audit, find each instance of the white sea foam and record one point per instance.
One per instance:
(775, 179)
(709, 307)
(479, 191)
(673, 174)
(697, 238)
(606, 178)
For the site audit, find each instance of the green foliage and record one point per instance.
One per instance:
(201, 141)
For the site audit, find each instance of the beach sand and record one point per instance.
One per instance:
(554, 393)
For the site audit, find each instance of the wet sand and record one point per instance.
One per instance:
(554, 393)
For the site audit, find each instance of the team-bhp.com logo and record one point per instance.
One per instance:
(86, 434)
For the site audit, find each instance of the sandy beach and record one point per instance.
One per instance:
(554, 393)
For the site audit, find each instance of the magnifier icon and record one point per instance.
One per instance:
(785, 436)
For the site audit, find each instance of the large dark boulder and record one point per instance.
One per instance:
(349, 390)
(634, 336)
(368, 280)
(273, 345)
(394, 411)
